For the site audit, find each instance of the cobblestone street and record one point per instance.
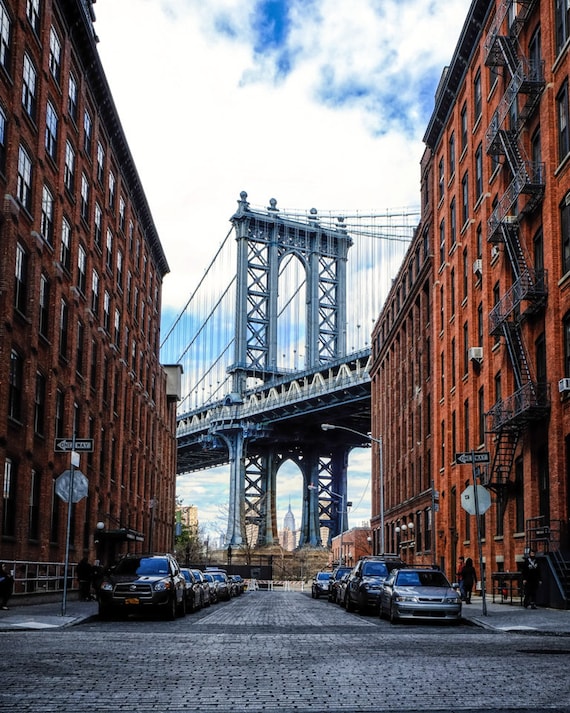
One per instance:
(269, 651)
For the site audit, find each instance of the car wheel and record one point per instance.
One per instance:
(393, 617)
(170, 609)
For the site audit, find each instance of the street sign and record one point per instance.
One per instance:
(471, 457)
(468, 499)
(78, 491)
(64, 445)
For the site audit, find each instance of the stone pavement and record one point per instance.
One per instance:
(499, 617)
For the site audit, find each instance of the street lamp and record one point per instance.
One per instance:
(332, 427)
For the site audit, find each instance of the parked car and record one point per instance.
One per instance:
(424, 593)
(204, 587)
(239, 583)
(320, 584)
(140, 583)
(223, 585)
(193, 590)
(341, 589)
(213, 586)
(335, 581)
(366, 579)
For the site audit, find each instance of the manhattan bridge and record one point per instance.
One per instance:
(275, 341)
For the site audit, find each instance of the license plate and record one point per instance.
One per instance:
(132, 600)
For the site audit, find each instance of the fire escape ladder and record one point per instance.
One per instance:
(517, 353)
(506, 443)
(514, 248)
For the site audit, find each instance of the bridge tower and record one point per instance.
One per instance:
(264, 241)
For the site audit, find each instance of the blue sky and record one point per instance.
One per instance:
(314, 102)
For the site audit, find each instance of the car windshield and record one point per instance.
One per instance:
(219, 577)
(323, 575)
(375, 569)
(187, 575)
(197, 575)
(142, 566)
(421, 579)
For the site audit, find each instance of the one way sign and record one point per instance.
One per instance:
(471, 457)
(64, 445)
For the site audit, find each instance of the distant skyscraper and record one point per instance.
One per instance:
(289, 534)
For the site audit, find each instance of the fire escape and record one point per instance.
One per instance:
(510, 416)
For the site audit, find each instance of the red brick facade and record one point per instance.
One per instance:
(475, 335)
(81, 270)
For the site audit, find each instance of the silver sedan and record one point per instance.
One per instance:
(424, 593)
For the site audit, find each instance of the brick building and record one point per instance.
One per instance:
(472, 349)
(81, 270)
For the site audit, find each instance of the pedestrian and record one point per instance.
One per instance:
(530, 580)
(84, 574)
(6, 586)
(468, 579)
(460, 565)
(97, 573)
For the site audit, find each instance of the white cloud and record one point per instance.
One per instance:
(208, 113)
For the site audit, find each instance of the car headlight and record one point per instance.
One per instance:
(451, 600)
(404, 598)
(106, 587)
(161, 586)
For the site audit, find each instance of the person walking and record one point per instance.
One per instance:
(468, 579)
(531, 580)
(6, 586)
(84, 573)
(460, 565)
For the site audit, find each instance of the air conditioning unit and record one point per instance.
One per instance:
(475, 354)
(511, 219)
(564, 385)
(494, 252)
(478, 267)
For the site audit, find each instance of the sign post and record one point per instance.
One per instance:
(72, 491)
(476, 507)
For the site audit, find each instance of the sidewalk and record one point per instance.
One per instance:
(499, 617)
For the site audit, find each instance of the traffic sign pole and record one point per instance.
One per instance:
(69, 505)
(479, 542)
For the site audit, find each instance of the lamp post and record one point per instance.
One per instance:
(333, 427)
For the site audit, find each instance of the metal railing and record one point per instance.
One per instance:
(39, 577)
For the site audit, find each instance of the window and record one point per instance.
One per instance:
(2, 141)
(59, 410)
(452, 224)
(72, 97)
(465, 273)
(87, 132)
(107, 311)
(40, 404)
(562, 20)
(24, 184)
(9, 499)
(46, 227)
(109, 251)
(477, 101)
(15, 386)
(63, 328)
(65, 247)
(54, 55)
(34, 513)
(80, 347)
(119, 269)
(5, 30)
(81, 269)
(441, 178)
(565, 233)
(21, 284)
(481, 407)
(478, 172)
(33, 14)
(563, 136)
(95, 292)
(111, 190)
(44, 306)
(117, 329)
(98, 225)
(122, 214)
(84, 197)
(442, 242)
(69, 168)
(51, 131)
(100, 161)
(464, 198)
(464, 131)
(29, 80)
(452, 291)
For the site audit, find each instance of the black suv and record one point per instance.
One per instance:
(139, 583)
(366, 579)
(336, 576)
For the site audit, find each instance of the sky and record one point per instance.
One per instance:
(317, 103)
